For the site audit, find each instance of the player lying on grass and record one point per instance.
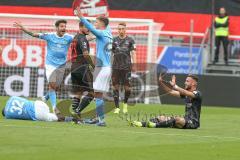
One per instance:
(193, 101)
(21, 108)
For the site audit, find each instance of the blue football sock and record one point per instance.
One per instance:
(100, 108)
(46, 96)
(53, 98)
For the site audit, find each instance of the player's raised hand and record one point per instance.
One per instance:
(78, 12)
(1, 49)
(173, 81)
(18, 25)
(160, 78)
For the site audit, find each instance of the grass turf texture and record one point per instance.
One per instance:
(217, 139)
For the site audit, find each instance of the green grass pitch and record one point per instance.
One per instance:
(217, 139)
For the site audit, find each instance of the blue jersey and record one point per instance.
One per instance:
(103, 44)
(20, 108)
(57, 48)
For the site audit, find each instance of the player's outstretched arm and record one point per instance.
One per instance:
(87, 24)
(18, 25)
(183, 91)
(167, 86)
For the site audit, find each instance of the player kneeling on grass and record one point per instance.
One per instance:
(193, 100)
(21, 108)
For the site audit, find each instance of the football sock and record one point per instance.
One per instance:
(126, 96)
(100, 108)
(46, 96)
(53, 98)
(165, 124)
(75, 103)
(116, 97)
(85, 102)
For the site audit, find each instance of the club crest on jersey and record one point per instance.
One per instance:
(92, 7)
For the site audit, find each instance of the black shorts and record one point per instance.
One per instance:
(190, 124)
(82, 80)
(121, 77)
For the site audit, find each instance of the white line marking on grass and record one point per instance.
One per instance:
(186, 135)
(132, 132)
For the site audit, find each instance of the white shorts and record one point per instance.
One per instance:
(101, 79)
(42, 112)
(54, 74)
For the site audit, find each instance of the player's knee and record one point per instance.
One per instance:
(116, 87)
(98, 95)
(52, 86)
(162, 118)
(115, 93)
(179, 122)
(127, 88)
(89, 97)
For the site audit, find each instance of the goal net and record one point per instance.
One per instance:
(22, 71)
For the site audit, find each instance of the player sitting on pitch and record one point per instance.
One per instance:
(21, 108)
(123, 51)
(81, 76)
(193, 100)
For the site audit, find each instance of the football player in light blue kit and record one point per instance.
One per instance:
(57, 48)
(102, 72)
(21, 108)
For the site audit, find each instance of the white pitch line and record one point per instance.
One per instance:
(134, 132)
(189, 135)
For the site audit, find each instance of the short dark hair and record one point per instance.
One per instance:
(103, 19)
(193, 77)
(3, 112)
(81, 23)
(122, 24)
(57, 23)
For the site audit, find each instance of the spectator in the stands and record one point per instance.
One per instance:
(221, 24)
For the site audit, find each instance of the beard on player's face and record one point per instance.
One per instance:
(188, 85)
(61, 29)
(121, 31)
(83, 30)
(121, 34)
